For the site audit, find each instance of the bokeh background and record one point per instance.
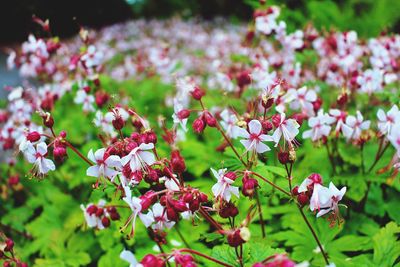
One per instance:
(367, 17)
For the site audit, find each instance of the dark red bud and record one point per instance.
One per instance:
(177, 162)
(209, 119)
(33, 136)
(276, 120)
(198, 125)
(183, 114)
(197, 93)
(105, 221)
(9, 245)
(303, 199)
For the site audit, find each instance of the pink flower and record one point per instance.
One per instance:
(87, 100)
(105, 165)
(223, 188)
(254, 137)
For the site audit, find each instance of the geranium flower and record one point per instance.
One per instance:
(370, 81)
(139, 158)
(228, 122)
(319, 126)
(288, 128)
(340, 119)
(388, 120)
(129, 257)
(104, 164)
(223, 188)
(394, 137)
(327, 199)
(92, 220)
(254, 137)
(160, 218)
(301, 99)
(87, 100)
(93, 57)
(354, 126)
(136, 207)
(37, 156)
(177, 120)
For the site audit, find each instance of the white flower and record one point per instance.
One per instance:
(254, 138)
(288, 128)
(228, 122)
(37, 157)
(170, 183)
(370, 81)
(388, 120)
(104, 165)
(117, 111)
(104, 123)
(319, 126)
(267, 23)
(340, 118)
(160, 218)
(354, 126)
(128, 256)
(139, 158)
(394, 138)
(301, 98)
(136, 207)
(177, 108)
(223, 188)
(326, 199)
(92, 220)
(92, 57)
(87, 100)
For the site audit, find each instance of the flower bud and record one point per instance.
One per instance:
(303, 199)
(33, 136)
(63, 134)
(231, 175)
(316, 178)
(228, 210)
(295, 190)
(118, 123)
(198, 125)
(317, 104)
(91, 209)
(152, 261)
(203, 197)
(187, 197)
(178, 205)
(276, 120)
(243, 79)
(249, 186)
(172, 214)
(283, 157)
(48, 120)
(267, 126)
(9, 244)
(183, 114)
(197, 93)
(13, 180)
(209, 119)
(99, 212)
(194, 204)
(177, 162)
(101, 98)
(105, 221)
(59, 153)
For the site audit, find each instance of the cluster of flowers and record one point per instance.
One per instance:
(7, 253)
(271, 121)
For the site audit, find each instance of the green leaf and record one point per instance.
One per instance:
(386, 245)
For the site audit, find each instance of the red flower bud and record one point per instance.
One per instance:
(118, 122)
(194, 205)
(33, 136)
(183, 114)
(177, 162)
(198, 125)
(276, 120)
(13, 180)
(152, 261)
(295, 190)
(105, 221)
(267, 126)
(151, 137)
(283, 157)
(48, 120)
(172, 214)
(203, 197)
(99, 212)
(59, 153)
(316, 178)
(197, 93)
(91, 209)
(9, 244)
(234, 239)
(303, 199)
(228, 210)
(249, 186)
(178, 205)
(101, 98)
(231, 175)
(209, 119)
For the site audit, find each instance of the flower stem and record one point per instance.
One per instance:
(205, 256)
(260, 214)
(314, 235)
(78, 153)
(272, 184)
(207, 216)
(378, 157)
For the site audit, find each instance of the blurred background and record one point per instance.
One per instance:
(367, 17)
